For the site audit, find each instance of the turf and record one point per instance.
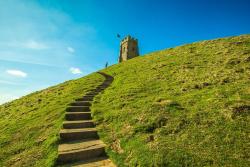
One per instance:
(29, 126)
(184, 106)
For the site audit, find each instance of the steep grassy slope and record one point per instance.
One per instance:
(186, 106)
(29, 126)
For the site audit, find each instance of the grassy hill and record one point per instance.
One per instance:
(184, 106)
(29, 126)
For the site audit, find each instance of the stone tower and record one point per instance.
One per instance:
(128, 49)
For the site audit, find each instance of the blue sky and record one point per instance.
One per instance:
(46, 42)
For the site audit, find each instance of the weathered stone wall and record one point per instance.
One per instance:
(128, 49)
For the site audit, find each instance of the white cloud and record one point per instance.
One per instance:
(70, 49)
(17, 73)
(31, 44)
(74, 70)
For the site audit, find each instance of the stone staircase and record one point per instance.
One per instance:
(80, 144)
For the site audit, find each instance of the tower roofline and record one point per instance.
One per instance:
(128, 38)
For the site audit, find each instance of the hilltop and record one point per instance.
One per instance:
(183, 106)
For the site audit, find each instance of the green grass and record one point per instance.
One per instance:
(29, 126)
(185, 106)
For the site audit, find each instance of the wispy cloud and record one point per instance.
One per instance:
(30, 63)
(24, 44)
(17, 73)
(70, 49)
(9, 82)
(74, 70)
(32, 44)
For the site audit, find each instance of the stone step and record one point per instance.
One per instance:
(78, 124)
(80, 151)
(109, 80)
(78, 134)
(95, 162)
(81, 103)
(100, 88)
(76, 116)
(104, 85)
(92, 93)
(97, 90)
(86, 98)
(77, 109)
